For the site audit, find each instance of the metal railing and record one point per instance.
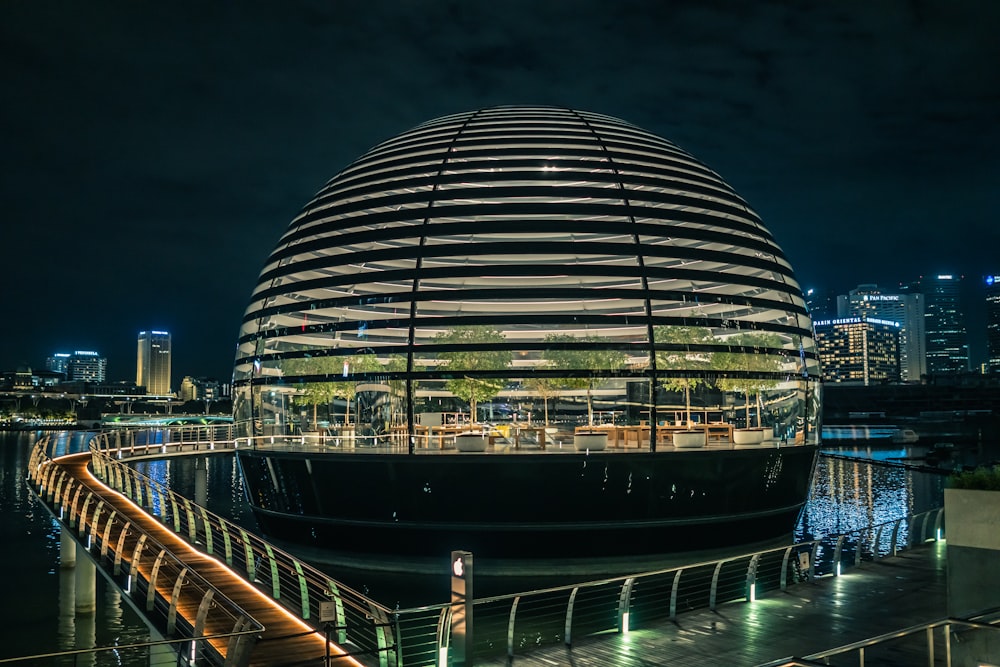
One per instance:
(963, 641)
(360, 624)
(146, 570)
(514, 624)
(164, 653)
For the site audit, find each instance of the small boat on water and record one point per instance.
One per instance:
(905, 436)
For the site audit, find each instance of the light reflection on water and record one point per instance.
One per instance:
(37, 615)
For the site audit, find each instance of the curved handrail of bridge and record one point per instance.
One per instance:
(220, 628)
(358, 622)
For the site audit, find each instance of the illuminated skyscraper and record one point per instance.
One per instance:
(906, 308)
(153, 362)
(993, 323)
(947, 337)
(87, 366)
(81, 366)
(858, 350)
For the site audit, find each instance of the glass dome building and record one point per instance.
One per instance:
(514, 257)
(533, 275)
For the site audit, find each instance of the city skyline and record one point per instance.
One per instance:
(146, 191)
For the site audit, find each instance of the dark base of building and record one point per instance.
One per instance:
(535, 506)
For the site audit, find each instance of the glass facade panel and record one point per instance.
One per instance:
(519, 265)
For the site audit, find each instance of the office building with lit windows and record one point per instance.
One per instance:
(80, 366)
(153, 362)
(858, 350)
(946, 333)
(545, 286)
(906, 308)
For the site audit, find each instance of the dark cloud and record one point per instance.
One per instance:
(154, 153)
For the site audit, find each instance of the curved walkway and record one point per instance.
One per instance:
(285, 640)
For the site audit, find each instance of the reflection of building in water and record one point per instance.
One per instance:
(851, 495)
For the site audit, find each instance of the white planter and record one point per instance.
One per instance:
(593, 442)
(972, 517)
(471, 442)
(748, 436)
(689, 439)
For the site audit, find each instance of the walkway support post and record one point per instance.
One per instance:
(86, 584)
(67, 549)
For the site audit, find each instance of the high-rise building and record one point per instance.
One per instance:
(947, 336)
(86, 366)
(858, 350)
(153, 362)
(992, 323)
(58, 363)
(821, 303)
(906, 308)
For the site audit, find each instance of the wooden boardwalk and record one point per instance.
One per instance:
(285, 640)
(876, 598)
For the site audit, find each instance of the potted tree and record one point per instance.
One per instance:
(751, 356)
(465, 365)
(694, 362)
(313, 393)
(546, 388)
(565, 352)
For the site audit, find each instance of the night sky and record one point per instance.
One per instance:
(153, 153)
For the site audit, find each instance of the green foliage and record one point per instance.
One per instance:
(592, 360)
(683, 360)
(470, 389)
(321, 393)
(983, 478)
(748, 362)
(545, 387)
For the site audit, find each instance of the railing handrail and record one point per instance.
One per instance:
(319, 575)
(193, 575)
(801, 546)
(126, 647)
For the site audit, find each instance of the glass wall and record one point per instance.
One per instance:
(525, 265)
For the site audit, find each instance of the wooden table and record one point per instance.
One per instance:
(518, 430)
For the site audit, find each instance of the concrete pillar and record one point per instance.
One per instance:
(86, 585)
(67, 549)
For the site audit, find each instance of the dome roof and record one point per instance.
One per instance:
(550, 227)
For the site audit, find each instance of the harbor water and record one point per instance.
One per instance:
(848, 494)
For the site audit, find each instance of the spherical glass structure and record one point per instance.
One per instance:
(525, 263)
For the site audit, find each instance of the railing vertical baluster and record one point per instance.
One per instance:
(510, 626)
(673, 593)
(715, 585)
(624, 602)
(568, 627)
(751, 583)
